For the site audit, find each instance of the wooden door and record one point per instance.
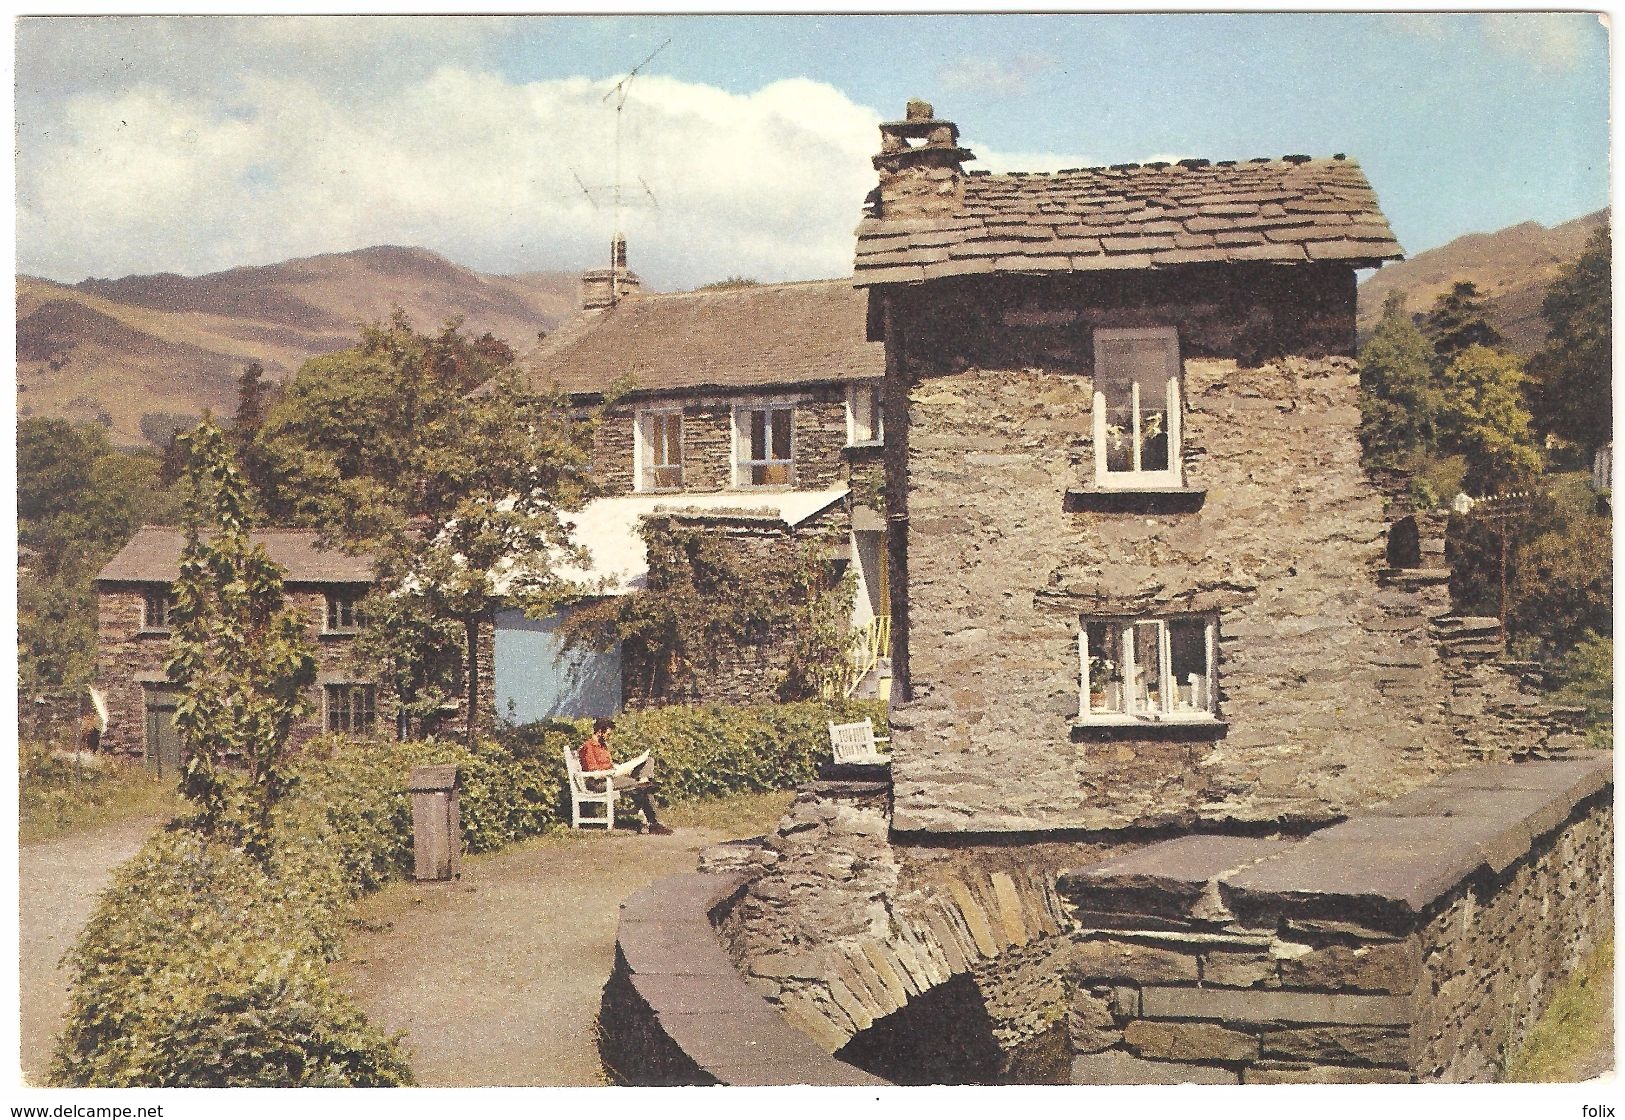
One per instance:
(163, 740)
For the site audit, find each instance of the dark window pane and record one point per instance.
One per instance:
(781, 433)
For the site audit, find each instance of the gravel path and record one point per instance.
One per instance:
(58, 881)
(495, 979)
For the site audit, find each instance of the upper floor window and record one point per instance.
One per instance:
(1148, 668)
(156, 604)
(351, 708)
(343, 612)
(764, 452)
(1136, 408)
(863, 421)
(659, 449)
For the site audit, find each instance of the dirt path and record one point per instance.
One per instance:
(57, 885)
(495, 979)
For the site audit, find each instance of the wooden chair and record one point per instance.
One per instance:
(855, 742)
(582, 793)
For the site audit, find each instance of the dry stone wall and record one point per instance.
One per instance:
(1415, 942)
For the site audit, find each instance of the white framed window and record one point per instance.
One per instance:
(343, 614)
(863, 419)
(351, 708)
(156, 603)
(1135, 669)
(764, 445)
(658, 449)
(1137, 408)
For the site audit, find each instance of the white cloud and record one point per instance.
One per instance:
(765, 184)
(1553, 40)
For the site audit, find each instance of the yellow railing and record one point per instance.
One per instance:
(869, 644)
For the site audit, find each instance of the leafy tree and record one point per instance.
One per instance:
(1398, 404)
(78, 501)
(1483, 417)
(161, 427)
(1458, 320)
(252, 391)
(415, 654)
(1572, 391)
(242, 659)
(1586, 679)
(457, 496)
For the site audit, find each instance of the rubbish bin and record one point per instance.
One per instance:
(436, 829)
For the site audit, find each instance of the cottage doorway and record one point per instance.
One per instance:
(162, 739)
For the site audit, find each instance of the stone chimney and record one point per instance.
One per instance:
(919, 165)
(605, 287)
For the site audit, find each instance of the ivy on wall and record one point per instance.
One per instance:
(716, 601)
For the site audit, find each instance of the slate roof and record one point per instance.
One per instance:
(154, 556)
(1138, 216)
(770, 334)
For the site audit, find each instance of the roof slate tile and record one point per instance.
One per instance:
(1132, 216)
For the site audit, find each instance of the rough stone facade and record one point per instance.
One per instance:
(818, 440)
(130, 659)
(1417, 942)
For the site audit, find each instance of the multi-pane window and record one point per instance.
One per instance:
(351, 708)
(660, 449)
(1136, 408)
(343, 612)
(155, 607)
(863, 423)
(764, 454)
(1148, 668)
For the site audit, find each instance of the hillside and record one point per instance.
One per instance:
(119, 349)
(1512, 266)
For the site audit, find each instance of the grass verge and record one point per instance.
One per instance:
(57, 797)
(1574, 1040)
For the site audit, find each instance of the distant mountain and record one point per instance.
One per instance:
(116, 350)
(1512, 266)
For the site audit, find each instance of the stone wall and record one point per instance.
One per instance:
(676, 1013)
(819, 437)
(1415, 942)
(1285, 547)
(129, 659)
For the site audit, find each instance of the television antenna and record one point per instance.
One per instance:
(617, 190)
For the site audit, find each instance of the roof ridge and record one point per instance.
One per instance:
(742, 289)
(1185, 164)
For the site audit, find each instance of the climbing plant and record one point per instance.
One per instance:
(709, 602)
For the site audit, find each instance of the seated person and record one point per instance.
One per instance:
(631, 776)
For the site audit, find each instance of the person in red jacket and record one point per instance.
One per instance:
(631, 776)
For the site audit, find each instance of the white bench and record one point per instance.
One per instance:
(855, 742)
(582, 793)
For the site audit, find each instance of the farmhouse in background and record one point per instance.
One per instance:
(133, 597)
(754, 414)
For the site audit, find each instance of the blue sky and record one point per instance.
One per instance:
(195, 144)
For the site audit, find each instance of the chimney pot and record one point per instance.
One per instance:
(919, 110)
(923, 180)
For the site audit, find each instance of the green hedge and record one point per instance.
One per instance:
(200, 967)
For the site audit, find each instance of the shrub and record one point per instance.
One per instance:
(199, 969)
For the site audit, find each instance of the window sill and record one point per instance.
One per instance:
(153, 632)
(1165, 730)
(1158, 499)
(863, 445)
(340, 633)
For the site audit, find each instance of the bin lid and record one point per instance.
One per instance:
(427, 779)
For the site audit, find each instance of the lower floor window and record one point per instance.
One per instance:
(1156, 668)
(351, 708)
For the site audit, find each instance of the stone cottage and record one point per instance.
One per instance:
(752, 412)
(133, 597)
(1153, 625)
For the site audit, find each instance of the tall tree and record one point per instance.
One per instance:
(1459, 319)
(457, 496)
(1483, 417)
(242, 659)
(1573, 376)
(1398, 404)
